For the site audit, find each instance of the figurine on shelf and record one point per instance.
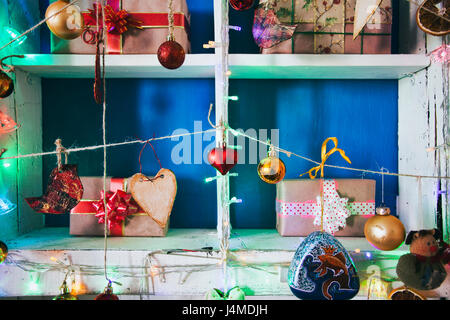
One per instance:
(423, 268)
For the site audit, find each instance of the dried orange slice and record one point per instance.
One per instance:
(404, 293)
(433, 17)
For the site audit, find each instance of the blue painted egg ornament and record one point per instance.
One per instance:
(322, 270)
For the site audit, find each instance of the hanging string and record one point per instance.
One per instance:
(419, 202)
(382, 184)
(59, 150)
(171, 21)
(7, 68)
(38, 24)
(104, 44)
(95, 147)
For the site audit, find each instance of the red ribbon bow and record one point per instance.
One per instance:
(117, 22)
(118, 207)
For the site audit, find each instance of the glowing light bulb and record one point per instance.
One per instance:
(6, 206)
(233, 98)
(12, 34)
(7, 165)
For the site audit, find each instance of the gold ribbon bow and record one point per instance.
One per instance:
(324, 156)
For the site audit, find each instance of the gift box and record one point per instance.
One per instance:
(86, 218)
(325, 27)
(347, 203)
(152, 31)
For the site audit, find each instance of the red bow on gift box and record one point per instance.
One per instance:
(118, 208)
(117, 22)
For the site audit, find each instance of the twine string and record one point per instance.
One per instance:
(171, 21)
(7, 68)
(59, 151)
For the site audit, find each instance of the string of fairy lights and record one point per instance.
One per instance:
(150, 270)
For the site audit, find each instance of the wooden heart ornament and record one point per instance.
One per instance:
(155, 195)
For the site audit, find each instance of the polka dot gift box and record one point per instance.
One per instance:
(348, 203)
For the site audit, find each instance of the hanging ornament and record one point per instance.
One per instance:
(65, 293)
(267, 29)
(241, 5)
(383, 231)
(6, 85)
(271, 169)
(7, 124)
(223, 158)
(107, 294)
(433, 17)
(322, 270)
(68, 24)
(64, 189)
(3, 252)
(171, 54)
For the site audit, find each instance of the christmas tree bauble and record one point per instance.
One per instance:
(65, 294)
(241, 5)
(67, 24)
(223, 159)
(3, 252)
(171, 54)
(107, 294)
(6, 85)
(271, 170)
(383, 231)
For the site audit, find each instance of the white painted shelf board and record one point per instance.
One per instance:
(241, 239)
(242, 66)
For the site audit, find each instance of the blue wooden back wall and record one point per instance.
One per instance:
(361, 114)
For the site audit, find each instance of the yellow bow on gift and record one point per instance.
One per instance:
(313, 171)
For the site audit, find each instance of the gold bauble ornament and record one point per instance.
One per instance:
(65, 294)
(383, 231)
(6, 85)
(271, 169)
(3, 252)
(67, 24)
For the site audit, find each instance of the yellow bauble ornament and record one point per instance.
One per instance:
(383, 231)
(3, 252)
(271, 169)
(67, 24)
(65, 294)
(6, 85)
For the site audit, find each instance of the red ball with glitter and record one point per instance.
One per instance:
(241, 5)
(107, 294)
(171, 54)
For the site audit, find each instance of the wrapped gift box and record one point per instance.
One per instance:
(326, 27)
(154, 18)
(298, 205)
(83, 220)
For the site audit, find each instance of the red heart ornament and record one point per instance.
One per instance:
(223, 159)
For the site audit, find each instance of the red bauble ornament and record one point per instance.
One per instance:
(241, 5)
(223, 159)
(107, 294)
(171, 54)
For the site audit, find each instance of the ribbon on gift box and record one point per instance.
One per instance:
(118, 21)
(336, 209)
(119, 206)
